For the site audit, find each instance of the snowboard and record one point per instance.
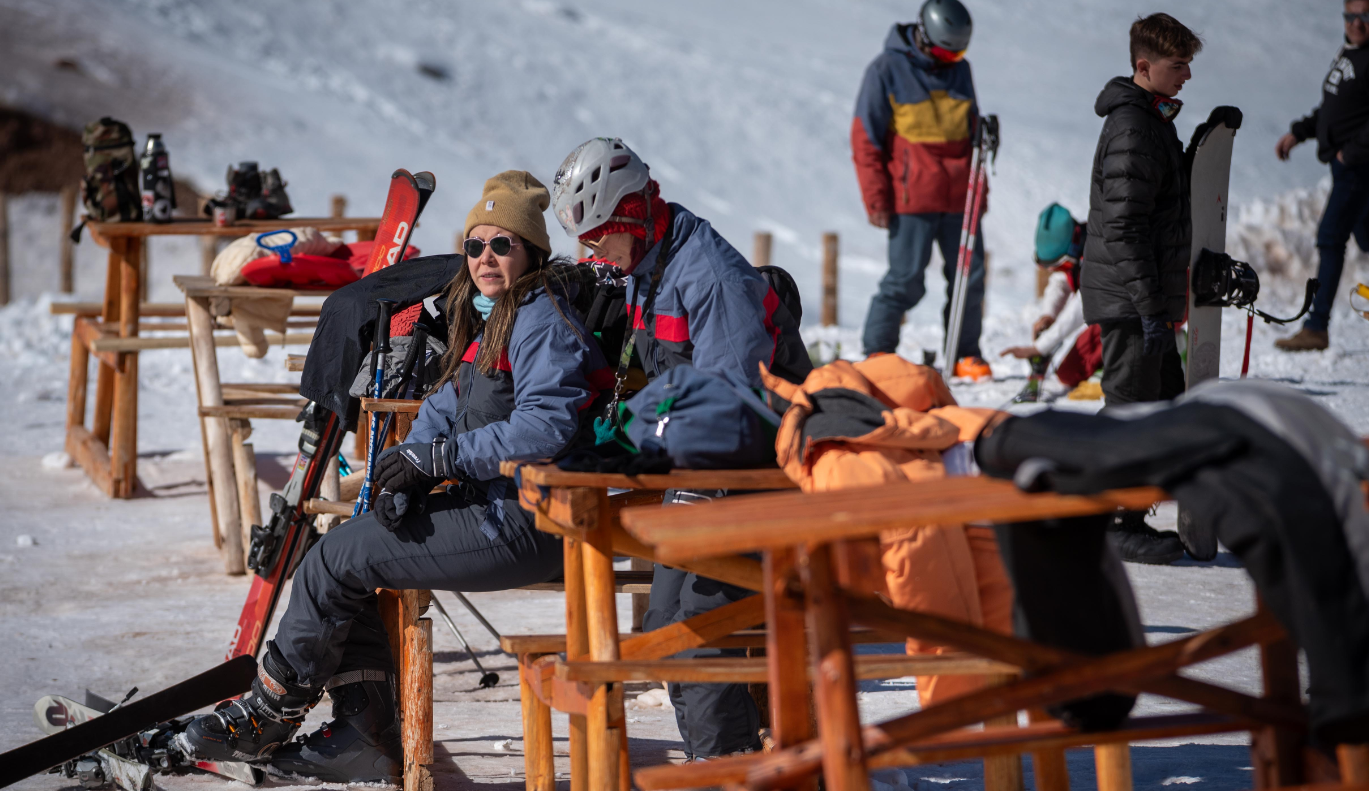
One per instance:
(74, 741)
(128, 763)
(1209, 178)
(409, 193)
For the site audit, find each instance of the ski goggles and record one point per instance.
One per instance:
(1349, 17)
(499, 245)
(946, 55)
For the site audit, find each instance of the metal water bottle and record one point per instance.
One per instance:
(158, 192)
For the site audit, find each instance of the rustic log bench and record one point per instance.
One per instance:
(797, 535)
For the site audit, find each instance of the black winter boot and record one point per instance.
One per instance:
(251, 728)
(1138, 542)
(361, 744)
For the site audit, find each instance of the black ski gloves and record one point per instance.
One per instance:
(1225, 114)
(1157, 335)
(391, 507)
(413, 465)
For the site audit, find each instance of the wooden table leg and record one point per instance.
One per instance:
(1003, 772)
(786, 652)
(123, 439)
(416, 688)
(1354, 764)
(1113, 763)
(216, 439)
(1049, 769)
(606, 717)
(109, 316)
(539, 766)
(843, 757)
(245, 470)
(641, 602)
(577, 647)
(1276, 753)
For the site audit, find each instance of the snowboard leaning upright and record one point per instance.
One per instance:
(1209, 179)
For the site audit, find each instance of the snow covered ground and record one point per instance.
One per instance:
(743, 110)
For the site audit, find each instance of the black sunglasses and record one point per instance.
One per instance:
(1349, 17)
(501, 245)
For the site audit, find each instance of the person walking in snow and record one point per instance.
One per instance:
(520, 371)
(692, 299)
(911, 140)
(1059, 248)
(1341, 126)
(1140, 228)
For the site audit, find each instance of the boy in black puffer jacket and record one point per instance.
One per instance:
(1139, 230)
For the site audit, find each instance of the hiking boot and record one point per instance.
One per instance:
(361, 744)
(1306, 340)
(1138, 542)
(253, 727)
(973, 368)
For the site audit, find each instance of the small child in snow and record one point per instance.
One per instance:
(1059, 245)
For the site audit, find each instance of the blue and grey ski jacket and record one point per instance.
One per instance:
(712, 310)
(530, 407)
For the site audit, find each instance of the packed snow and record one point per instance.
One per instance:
(743, 111)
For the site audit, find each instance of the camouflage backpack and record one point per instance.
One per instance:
(110, 186)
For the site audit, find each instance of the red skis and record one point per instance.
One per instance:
(408, 195)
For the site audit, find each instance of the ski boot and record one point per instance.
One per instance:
(361, 744)
(1032, 392)
(972, 368)
(252, 727)
(1138, 542)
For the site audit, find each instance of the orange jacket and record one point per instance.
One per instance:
(947, 570)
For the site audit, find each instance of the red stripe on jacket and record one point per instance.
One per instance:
(599, 381)
(668, 328)
(474, 349)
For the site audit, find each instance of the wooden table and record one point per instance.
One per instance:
(108, 449)
(796, 534)
(577, 506)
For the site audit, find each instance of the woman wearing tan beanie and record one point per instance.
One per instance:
(520, 372)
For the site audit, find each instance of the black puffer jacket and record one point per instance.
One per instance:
(1140, 226)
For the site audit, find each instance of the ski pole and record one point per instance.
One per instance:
(962, 263)
(461, 597)
(380, 347)
(487, 679)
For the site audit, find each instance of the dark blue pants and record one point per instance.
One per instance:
(333, 624)
(714, 719)
(910, 249)
(1347, 209)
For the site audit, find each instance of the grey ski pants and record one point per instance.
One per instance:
(333, 625)
(714, 719)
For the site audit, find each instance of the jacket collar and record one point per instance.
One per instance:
(1121, 91)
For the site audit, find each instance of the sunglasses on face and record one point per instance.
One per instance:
(1349, 17)
(500, 245)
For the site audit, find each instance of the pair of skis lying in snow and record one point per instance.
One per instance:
(101, 743)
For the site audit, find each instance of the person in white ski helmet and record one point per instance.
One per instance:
(692, 299)
(911, 141)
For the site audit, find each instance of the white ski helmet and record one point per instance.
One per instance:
(598, 174)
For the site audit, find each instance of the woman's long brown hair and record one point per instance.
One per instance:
(549, 273)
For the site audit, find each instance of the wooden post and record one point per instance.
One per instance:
(577, 646)
(205, 359)
(1113, 762)
(109, 316)
(330, 488)
(416, 686)
(209, 245)
(539, 767)
(123, 438)
(1354, 764)
(67, 250)
(1042, 275)
(829, 280)
(144, 264)
(4, 250)
(605, 718)
(338, 206)
(245, 470)
(1003, 772)
(786, 654)
(1048, 766)
(1276, 753)
(761, 249)
(843, 754)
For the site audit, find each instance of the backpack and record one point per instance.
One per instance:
(790, 361)
(110, 186)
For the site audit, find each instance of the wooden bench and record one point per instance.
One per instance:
(797, 535)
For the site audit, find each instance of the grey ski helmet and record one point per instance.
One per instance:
(946, 24)
(598, 174)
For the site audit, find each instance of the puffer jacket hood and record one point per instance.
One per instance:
(1140, 225)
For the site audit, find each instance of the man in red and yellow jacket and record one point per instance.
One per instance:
(911, 141)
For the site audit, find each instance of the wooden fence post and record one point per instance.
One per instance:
(829, 280)
(339, 206)
(144, 265)
(67, 249)
(1042, 275)
(4, 250)
(761, 254)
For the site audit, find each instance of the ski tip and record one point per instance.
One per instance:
(426, 181)
(401, 173)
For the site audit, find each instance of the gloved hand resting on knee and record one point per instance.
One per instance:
(405, 475)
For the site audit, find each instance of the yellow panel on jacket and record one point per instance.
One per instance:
(940, 119)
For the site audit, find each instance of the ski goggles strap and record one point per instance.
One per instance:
(946, 55)
(611, 412)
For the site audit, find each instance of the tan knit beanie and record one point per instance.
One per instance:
(514, 200)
